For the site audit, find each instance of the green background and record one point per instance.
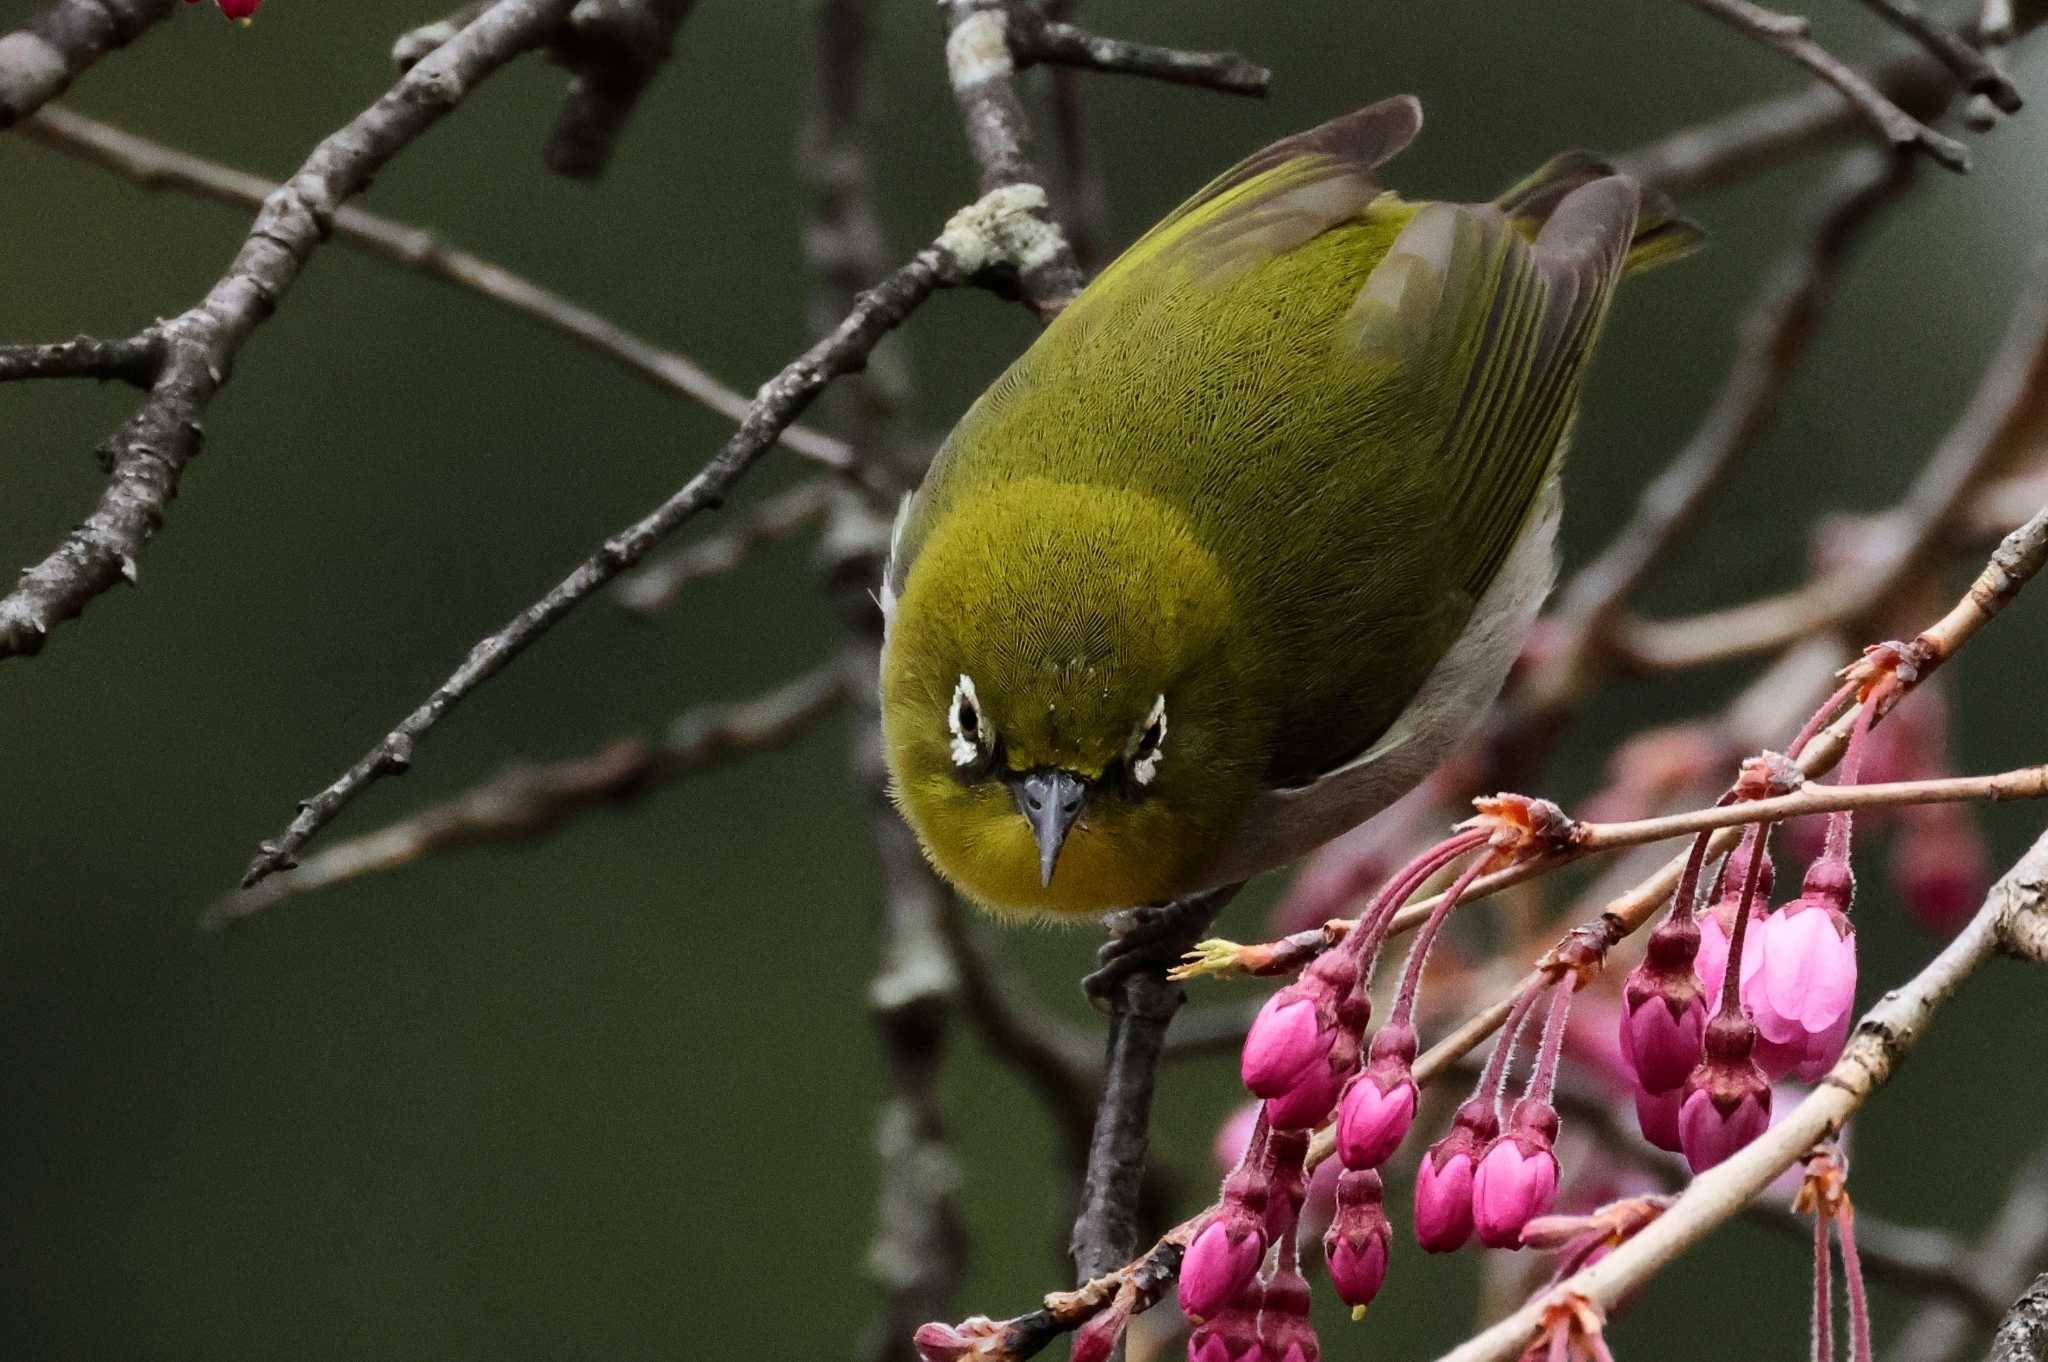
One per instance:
(611, 1095)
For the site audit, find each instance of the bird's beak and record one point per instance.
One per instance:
(1050, 801)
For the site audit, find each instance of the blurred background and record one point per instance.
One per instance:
(611, 1094)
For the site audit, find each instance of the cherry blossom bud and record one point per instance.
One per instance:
(1219, 1264)
(1799, 986)
(1285, 1039)
(1516, 1179)
(1657, 1114)
(1359, 1239)
(1443, 1182)
(1284, 1333)
(1232, 1335)
(937, 1342)
(1664, 1007)
(1727, 1099)
(1378, 1104)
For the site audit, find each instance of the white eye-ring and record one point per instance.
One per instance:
(970, 733)
(1150, 746)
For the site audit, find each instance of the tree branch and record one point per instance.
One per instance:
(1879, 1044)
(134, 360)
(2005, 421)
(977, 235)
(2023, 1334)
(153, 165)
(148, 453)
(1035, 38)
(526, 800)
(1788, 34)
(614, 48)
(39, 60)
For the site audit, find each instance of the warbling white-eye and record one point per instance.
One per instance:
(1231, 556)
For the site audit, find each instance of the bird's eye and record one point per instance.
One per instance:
(1146, 751)
(970, 736)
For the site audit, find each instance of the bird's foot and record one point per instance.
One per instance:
(1151, 940)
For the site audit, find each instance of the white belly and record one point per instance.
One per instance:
(1284, 825)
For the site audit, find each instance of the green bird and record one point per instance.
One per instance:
(1229, 559)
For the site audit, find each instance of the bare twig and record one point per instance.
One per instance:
(1754, 139)
(656, 586)
(132, 359)
(1879, 1044)
(981, 65)
(148, 453)
(1788, 34)
(614, 48)
(153, 165)
(2004, 423)
(39, 60)
(1977, 73)
(527, 800)
(1034, 38)
(977, 235)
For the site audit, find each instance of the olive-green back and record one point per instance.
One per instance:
(1358, 458)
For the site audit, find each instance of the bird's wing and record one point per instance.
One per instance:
(1489, 333)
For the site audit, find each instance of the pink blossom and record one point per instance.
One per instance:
(1516, 1178)
(1356, 1247)
(1285, 1039)
(1284, 1334)
(1727, 1100)
(1230, 1336)
(1664, 1008)
(1657, 1114)
(1219, 1264)
(1378, 1104)
(238, 10)
(1308, 1102)
(1939, 865)
(1800, 984)
(1443, 1182)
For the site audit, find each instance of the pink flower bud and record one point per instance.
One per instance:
(1717, 923)
(1664, 1007)
(1285, 1039)
(1657, 1114)
(1219, 1264)
(1727, 1100)
(1800, 984)
(1303, 1106)
(1285, 1335)
(1516, 1178)
(1443, 1183)
(1378, 1104)
(937, 1342)
(239, 9)
(1359, 1239)
(1231, 1335)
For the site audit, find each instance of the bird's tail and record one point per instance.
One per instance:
(1661, 235)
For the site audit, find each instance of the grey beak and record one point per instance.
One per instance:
(1050, 801)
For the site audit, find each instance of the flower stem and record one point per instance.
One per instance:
(1544, 1081)
(1418, 953)
(1852, 1278)
(1823, 1293)
(1494, 1077)
(1731, 979)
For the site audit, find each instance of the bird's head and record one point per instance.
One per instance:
(1061, 708)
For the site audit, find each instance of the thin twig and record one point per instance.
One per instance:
(981, 66)
(2003, 424)
(148, 453)
(1752, 140)
(528, 800)
(975, 236)
(1977, 73)
(1788, 34)
(2023, 1334)
(657, 585)
(39, 60)
(152, 165)
(614, 48)
(134, 360)
(1037, 39)
(1879, 1044)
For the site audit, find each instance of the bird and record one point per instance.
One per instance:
(1249, 537)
